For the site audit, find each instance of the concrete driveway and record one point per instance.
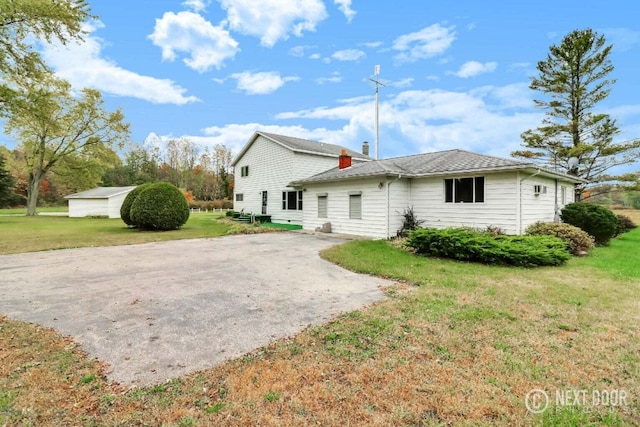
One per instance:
(156, 311)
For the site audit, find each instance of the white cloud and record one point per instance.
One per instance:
(273, 20)
(406, 82)
(372, 45)
(345, 7)
(473, 68)
(622, 39)
(196, 5)
(207, 46)
(348, 55)
(262, 83)
(83, 66)
(487, 120)
(335, 78)
(300, 51)
(426, 43)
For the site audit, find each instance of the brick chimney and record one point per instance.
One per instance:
(365, 148)
(344, 161)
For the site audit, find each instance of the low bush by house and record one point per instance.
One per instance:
(477, 246)
(624, 224)
(578, 241)
(160, 206)
(596, 220)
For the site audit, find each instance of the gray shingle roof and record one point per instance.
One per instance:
(100, 193)
(302, 146)
(437, 163)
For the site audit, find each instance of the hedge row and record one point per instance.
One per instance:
(211, 204)
(471, 245)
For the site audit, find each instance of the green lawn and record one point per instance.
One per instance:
(38, 233)
(23, 211)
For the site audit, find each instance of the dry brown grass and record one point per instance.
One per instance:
(634, 214)
(462, 349)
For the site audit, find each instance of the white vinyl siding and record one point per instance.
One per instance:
(97, 206)
(373, 208)
(499, 208)
(271, 168)
(79, 208)
(541, 206)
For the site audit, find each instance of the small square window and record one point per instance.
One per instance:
(239, 197)
(244, 171)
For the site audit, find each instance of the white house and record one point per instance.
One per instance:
(453, 188)
(268, 163)
(101, 201)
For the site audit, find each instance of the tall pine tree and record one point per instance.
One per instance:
(572, 80)
(7, 181)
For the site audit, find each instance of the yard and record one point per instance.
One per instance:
(38, 233)
(454, 343)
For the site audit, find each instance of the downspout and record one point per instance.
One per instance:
(389, 204)
(556, 210)
(520, 197)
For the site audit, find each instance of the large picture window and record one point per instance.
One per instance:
(464, 190)
(292, 200)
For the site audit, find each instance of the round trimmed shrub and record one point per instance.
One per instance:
(596, 220)
(125, 209)
(160, 206)
(578, 241)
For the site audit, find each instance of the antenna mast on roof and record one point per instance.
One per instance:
(378, 83)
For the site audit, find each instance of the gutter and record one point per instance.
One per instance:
(389, 204)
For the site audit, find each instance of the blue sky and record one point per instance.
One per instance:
(456, 72)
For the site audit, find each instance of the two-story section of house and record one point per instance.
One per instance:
(268, 163)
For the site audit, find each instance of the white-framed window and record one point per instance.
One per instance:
(464, 190)
(539, 189)
(355, 204)
(239, 197)
(292, 200)
(563, 195)
(322, 205)
(244, 171)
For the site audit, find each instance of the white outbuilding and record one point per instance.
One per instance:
(101, 201)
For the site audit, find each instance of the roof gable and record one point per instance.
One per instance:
(299, 145)
(100, 193)
(428, 164)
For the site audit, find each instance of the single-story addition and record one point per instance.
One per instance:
(100, 201)
(268, 163)
(453, 188)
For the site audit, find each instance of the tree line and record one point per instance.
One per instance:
(202, 172)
